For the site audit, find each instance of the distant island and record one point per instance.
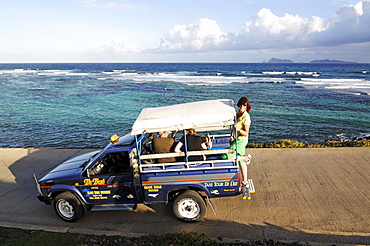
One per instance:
(332, 61)
(275, 60)
(326, 61)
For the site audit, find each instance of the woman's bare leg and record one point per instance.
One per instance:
(244, 173)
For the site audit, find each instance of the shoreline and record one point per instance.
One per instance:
(287, 143)
(282, 143)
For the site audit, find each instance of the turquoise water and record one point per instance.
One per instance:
(81, 105)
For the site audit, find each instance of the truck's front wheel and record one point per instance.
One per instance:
(189, 206)
(68, 207)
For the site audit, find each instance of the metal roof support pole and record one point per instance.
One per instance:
(138, 149)
(236, 138)
(185, 147)
(236, 143)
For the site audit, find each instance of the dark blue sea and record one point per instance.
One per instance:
(81, 105)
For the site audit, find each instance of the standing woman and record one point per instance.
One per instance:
(240, 137)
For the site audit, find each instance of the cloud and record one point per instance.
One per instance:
(265, 30)
(109, 4)
(201, 36)
(116, 46)
(349, 25)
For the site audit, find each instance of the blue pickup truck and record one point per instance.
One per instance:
(127, 172)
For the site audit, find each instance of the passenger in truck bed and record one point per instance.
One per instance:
(194, 143)
(164, 144)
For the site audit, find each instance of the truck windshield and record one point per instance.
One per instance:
(126, 139)
(88, 161)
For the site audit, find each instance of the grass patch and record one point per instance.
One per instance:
(15, 237)
(19, 237)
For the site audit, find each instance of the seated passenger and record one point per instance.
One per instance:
(163, 144)
(194, 143)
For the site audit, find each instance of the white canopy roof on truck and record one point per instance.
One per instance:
(203, 115)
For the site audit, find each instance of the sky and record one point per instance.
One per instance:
(184, 31)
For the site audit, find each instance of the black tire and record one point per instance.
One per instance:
(68, 207)
(189, 206)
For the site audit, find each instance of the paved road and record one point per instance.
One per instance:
(315, 195)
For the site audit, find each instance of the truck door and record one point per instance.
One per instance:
(110, 180)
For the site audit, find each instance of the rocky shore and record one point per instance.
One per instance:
(287, 143)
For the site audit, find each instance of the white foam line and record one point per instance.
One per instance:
(109, 72)
(51, 74)
(273, 73)
(310, 83)
(77, 74)
(19, 71)
(332, 80)
(347, 87)
(129, 74)
(291, 73)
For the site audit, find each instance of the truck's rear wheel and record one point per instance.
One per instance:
(189, 206)
(68, 207)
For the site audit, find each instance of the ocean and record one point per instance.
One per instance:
(83, 104)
